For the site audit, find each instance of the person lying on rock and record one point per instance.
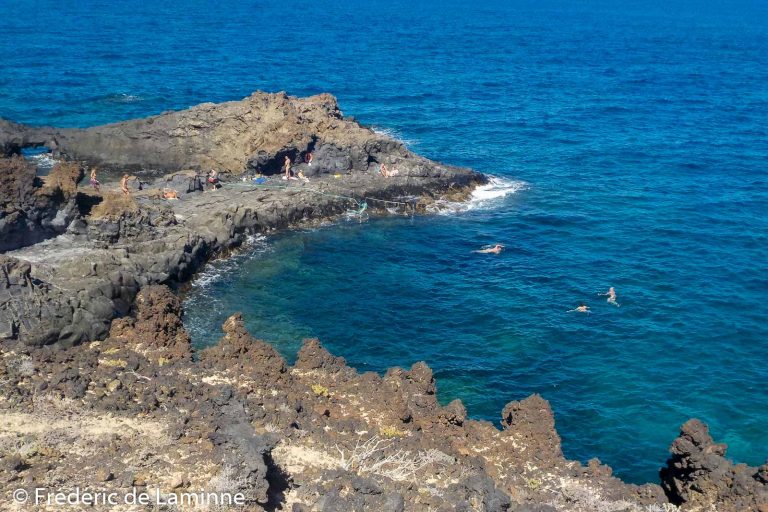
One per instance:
(388, 173)
(169, 193)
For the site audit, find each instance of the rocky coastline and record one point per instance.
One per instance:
(100, 387)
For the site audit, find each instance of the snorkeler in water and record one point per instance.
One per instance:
(582, 308)
(496, 249)
(611, 294)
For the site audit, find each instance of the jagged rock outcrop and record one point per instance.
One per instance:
(32, 210)
(253, 134)
(137, 410)
(699, 476)
(14, 136)
(532, 421)
(41, 313)
(155, 329)
(119, 217)
(115, 244)
(240, 353)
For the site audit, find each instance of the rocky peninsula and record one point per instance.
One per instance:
(101, 388)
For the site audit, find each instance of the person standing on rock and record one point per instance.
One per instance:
(213, 179)
(124, 185)
(287, 166)
(309, 159)
(94, 182)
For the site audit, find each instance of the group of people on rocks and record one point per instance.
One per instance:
(211, 178)
(212, 181)
(96, 184)
(288, 173)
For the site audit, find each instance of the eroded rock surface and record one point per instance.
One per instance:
(33, 209)
(112, 244)
(699, 476)
(137, 409)
(255, 134)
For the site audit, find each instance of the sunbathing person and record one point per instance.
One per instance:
(169, 193)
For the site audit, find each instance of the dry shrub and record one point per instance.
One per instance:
(64, 176)
(114, 205)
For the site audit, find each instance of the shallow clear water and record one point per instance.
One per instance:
(641, 130)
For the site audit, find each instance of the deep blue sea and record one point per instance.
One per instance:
(640, 133)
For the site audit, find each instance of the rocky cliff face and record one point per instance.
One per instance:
(699, 476)
(113, 245)
(139, 410)
(99, 386)
(31, 209)
(315, 436)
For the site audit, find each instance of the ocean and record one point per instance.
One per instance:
(629, 147)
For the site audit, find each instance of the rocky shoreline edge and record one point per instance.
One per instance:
(102, 390)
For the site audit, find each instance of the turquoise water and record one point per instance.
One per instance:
(639, 129)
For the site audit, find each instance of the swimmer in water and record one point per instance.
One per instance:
(496, 249)
(611, 294)
(583, 308)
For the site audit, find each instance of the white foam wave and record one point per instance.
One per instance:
(217, 269)
(43, 161)
(126, 98)
(487, 196)
(393, 134)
